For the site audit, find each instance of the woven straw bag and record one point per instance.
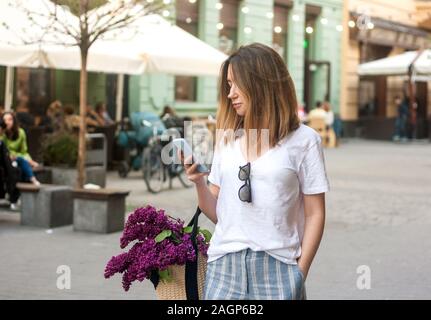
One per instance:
(188, 280)
(176, 289)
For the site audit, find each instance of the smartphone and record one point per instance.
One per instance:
(182, 145)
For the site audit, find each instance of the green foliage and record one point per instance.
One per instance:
(165, 275)
(207, 234)
(60, 149)
(188, 229)
(163, 235)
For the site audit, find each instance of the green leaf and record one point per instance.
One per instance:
(165, 275)
(207, 235)
(163, 235)
(188, 229)
(175, 239)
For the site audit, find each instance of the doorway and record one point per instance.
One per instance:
(317, 74)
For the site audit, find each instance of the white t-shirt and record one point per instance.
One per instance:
(274, 220)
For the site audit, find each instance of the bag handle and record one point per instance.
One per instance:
(191, 268)
(191, 271)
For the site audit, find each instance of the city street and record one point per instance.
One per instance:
(378, 216)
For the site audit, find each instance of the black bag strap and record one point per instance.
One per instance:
(191, 270)
(191, 273)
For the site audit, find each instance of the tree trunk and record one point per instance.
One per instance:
(82, 124)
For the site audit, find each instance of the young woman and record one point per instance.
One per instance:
(16, 142)
(266, 194)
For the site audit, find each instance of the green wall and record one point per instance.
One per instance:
(295, 47)
(260, 25)
(152, 92)
(327, 47)
(67, 87)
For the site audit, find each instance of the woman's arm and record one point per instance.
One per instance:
(18, 147)
(314, 208)
(207, 199)
(207, 196)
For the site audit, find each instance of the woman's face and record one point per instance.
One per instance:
(238, 99)
(8, 120)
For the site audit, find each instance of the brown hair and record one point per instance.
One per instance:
(12, 133)
(261, 75)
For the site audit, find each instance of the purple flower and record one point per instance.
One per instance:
(146, 254)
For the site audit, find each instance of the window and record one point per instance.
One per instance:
(33, 89)
(279, 32)
(187, 19)
(185, 88)
(228, 26)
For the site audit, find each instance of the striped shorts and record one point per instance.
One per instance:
(253, 275)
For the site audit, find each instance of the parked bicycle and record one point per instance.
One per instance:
(155, 171)
(144, 147)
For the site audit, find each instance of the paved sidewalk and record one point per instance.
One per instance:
(378, 215)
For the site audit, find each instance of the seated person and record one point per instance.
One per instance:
(170, 118)
(53, 120)
(103, 114)
(329, 120)
(71, 120)
(15, 140)
(318, 112)
(8, 176)
(93, 119)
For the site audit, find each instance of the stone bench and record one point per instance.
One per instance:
(101, 210)
(43, 174)
(46, 206)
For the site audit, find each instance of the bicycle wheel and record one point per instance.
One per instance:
(153, 169)
(181, 174)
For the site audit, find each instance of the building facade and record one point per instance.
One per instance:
(380, 29)
(306, 33)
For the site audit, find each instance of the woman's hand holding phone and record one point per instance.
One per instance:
(191, 169)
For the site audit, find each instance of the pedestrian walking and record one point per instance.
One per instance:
(401, 122)
(266, 195)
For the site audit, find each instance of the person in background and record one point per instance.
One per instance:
(15, 140)
(318, 112)
(103, 115)
(92, 118)
(329, 120)
(71, 120)
(23, 116)
(170, 118)
(53, 120)
(302, 113)
(401, 122)
(8, 175)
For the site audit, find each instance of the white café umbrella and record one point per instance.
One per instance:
(156, 47)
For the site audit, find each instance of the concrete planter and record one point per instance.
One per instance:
(68, 176)
(101, 211)
(46, 206)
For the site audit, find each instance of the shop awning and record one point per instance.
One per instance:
(399, 65)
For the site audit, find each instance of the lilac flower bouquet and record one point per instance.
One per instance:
(159, 241)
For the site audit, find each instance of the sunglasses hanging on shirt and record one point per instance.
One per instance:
(244, 193)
